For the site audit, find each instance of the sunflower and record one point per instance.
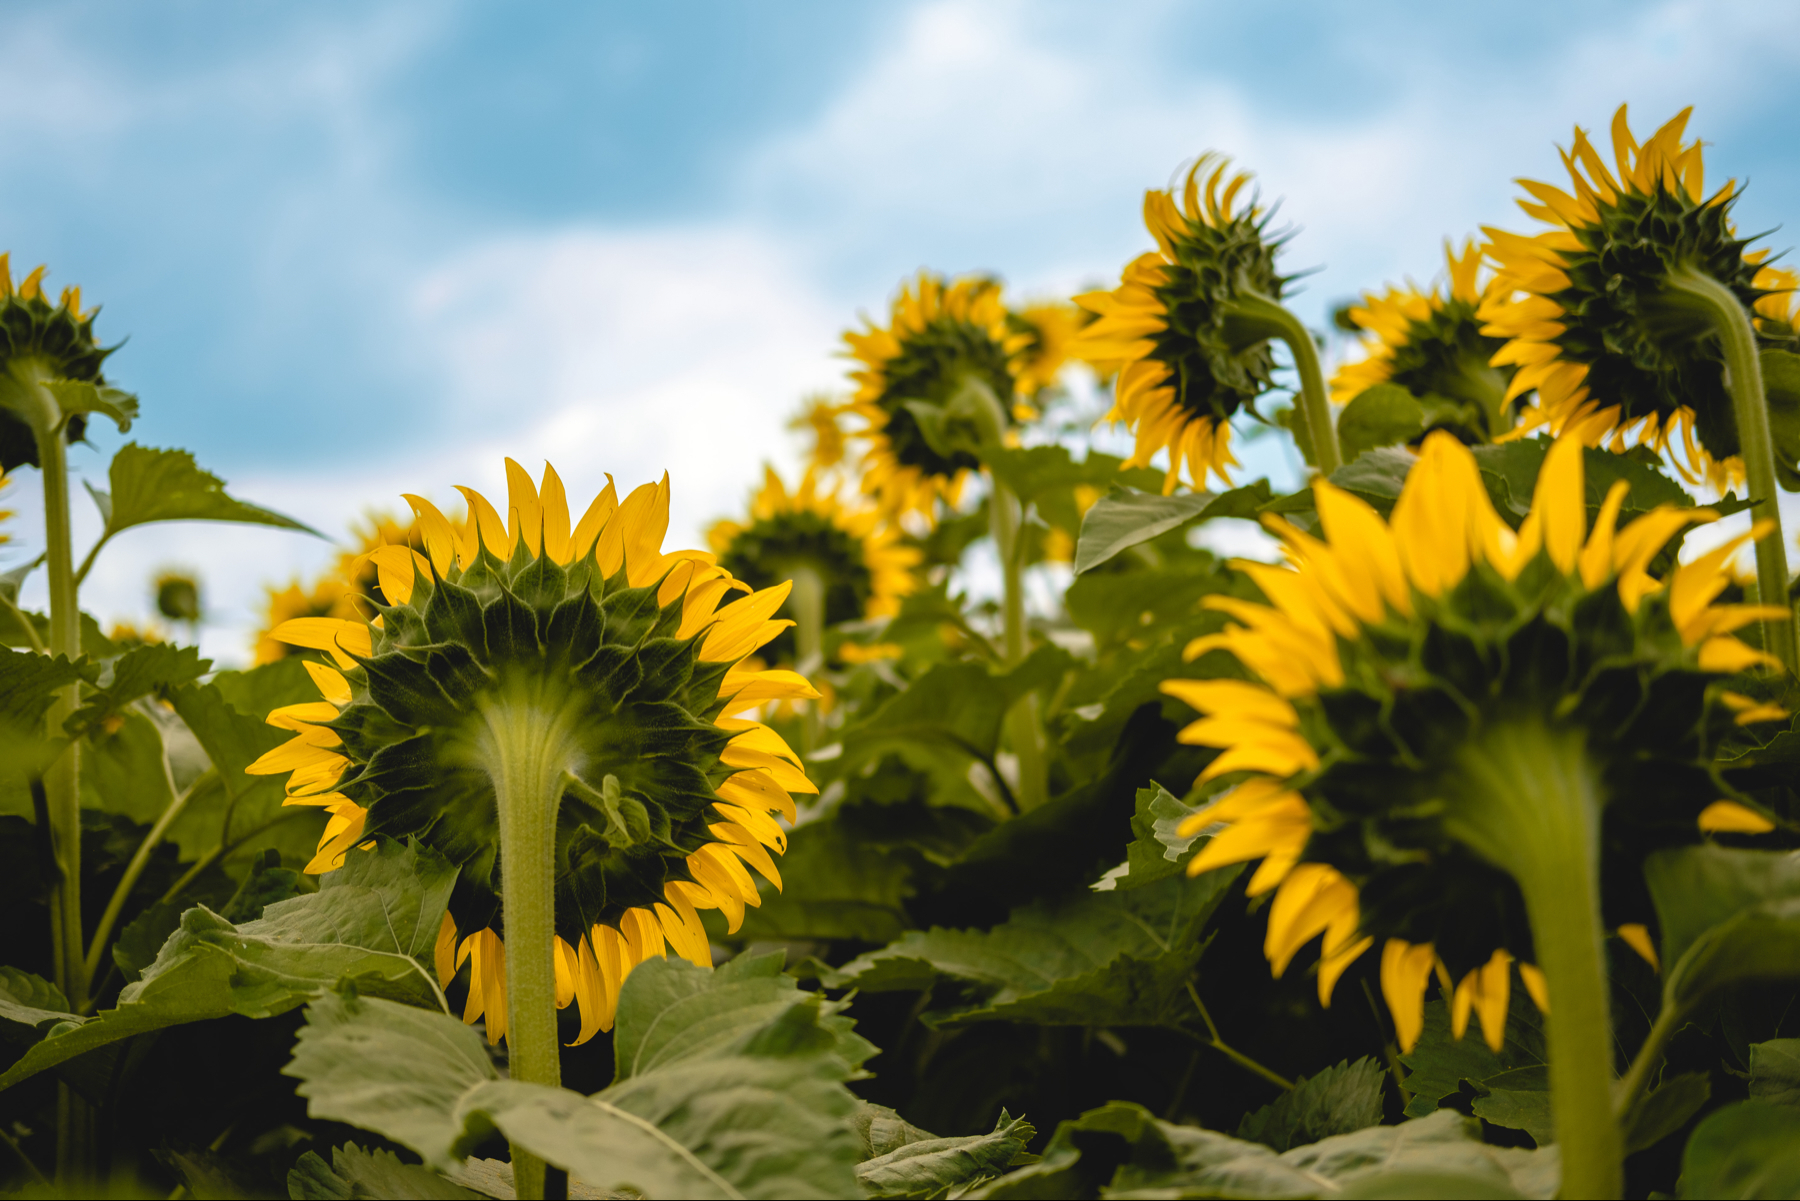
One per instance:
(1050, 328)
(178, 596)
(328, 597)
(863, 568)
(1190, 324)
(38, 342)
(940, 335)
(5, 514)
(528, 690)
(1460, 741)
(1592, 308)
(1431, 344)
(818, 416)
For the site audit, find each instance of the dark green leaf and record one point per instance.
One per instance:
(122, 771)
(835, 886)
(1781, 384)
(1157, 850)
(1517, 1100)
(369, 923)
(1512, 471)
(1750, 1149)
(259, 691)
(721, 1093)
(1775, 1072)
(242, 804)
(157, 667)
(1126, 1152)
(933, 1166)
(1094, 959)
(1438, 1064)
(1120, 521)
(1665, 1109)
(1336, 1101)
(143, 937)
(1384, 415)
(166, 485)
(29, 1005)
(1727, 915)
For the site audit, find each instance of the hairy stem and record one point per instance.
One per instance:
(527, 757)
(1023, 729)
(1755, 443)
(1315, 406)
(1527, 799)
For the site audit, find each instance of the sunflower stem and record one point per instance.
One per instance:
(1755, 443)
(525, 750)
(1315, 406)
(1527, 799)
(808, 599)
(140, 859)
(1649, 1057)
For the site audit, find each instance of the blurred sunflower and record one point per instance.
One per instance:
(1460, 742)
(940, 335)
(349, 588)
(524, 680)
(1050, 328)
(819, 416)
(1431, 344)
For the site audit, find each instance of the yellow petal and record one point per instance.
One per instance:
(1729, 817)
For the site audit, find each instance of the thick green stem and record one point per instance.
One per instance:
(1755, 443)
(808, 600)
(1024, 730)
(1315, 406)
(526, 749)
(1527, 799)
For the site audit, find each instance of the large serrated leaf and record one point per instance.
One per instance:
(1158, 850)
(1092, 959)
(371, 922)
(354, 1172)
(721, 1093)
(167, 485)
(1751, 1149)
(1440, 1063)
(157, 667)
(80, 396)
(241, 804)
(1775, 1072)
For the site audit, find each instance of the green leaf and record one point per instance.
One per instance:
(158, 667)
(931, 1167)
(1336, 1101)
(1384, 415)
(1117, 606)
(1093, 959)
(1727, 915)
(1121, 1151)
(1438, 1064)
(1751, 1149)
(835, 886)
(1119, 522)
(1510, 470)
(242, 804)
(1775, 1072)
(354, 1172)
(80, 396)
(1665, 1109)
(259, 691)
(371, 923)
(1517, 1100)
(138, 943)
(29, 1005)
(1157, 850)
(731, 1084)
(29, 683)
(122, 772)
(166, 485)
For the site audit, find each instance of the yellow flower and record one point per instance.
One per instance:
(863, 567)
(1585, 309)
(1184, 371)
(1050, 328)
(819, 416)
(329, 597)
(628, 666)
(1431, 344)
(1397, 660)
(348, 589)
(939, 335)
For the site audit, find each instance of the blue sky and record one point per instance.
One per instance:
(362, 249)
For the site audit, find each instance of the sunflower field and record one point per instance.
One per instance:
(959, 821)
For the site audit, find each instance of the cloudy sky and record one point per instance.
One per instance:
(367, 248)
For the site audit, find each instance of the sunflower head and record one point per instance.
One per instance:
(940, 335)
(616, 666)
(41, 341)
(1398, 661)
(178, 596)
(1431, 344)
(1189, 360)
(863, 567)
(820, 416)
(1587, 312)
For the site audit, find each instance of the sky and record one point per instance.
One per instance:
(359, 249)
